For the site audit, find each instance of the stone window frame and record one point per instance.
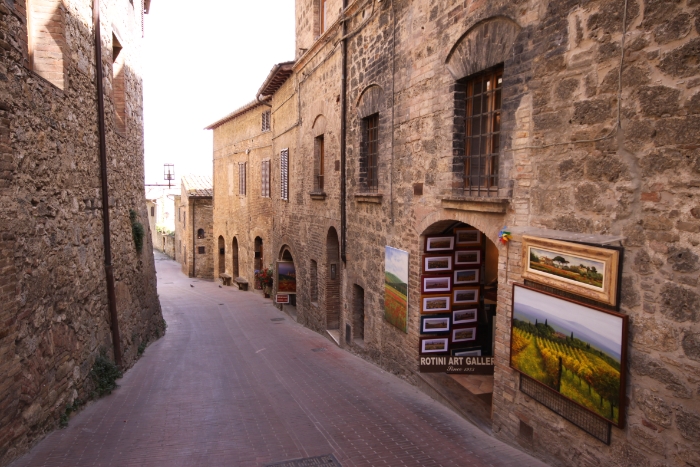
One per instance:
(483, 47)
(371, 104)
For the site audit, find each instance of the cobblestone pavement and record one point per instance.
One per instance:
(232, 385)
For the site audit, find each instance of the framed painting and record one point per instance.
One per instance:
(463, 334)
(434, 344)
(465, 296)
(434, 324)
(467, 352)
(437, 244)
(466, 276)
(467, 236)
(286, 277)
(572, 349)
(466, 316)
(436, 284)
(396, 287)
(434, 303)
(464, 259)
(588, 271)
(437, 264)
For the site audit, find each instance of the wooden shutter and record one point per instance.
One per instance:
(265, 186)
(284, 174)
(241, 178)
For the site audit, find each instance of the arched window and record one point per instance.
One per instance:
(200, 233)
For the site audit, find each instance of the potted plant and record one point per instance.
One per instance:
(264, 276)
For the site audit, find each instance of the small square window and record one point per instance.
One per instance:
(200, 250)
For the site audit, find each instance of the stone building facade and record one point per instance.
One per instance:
(598, 130)
(194, 227)
(53, 291)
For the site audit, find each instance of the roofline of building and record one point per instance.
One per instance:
(276, 78)
(239, 111)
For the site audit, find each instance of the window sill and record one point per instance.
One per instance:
(375, 198)
(477, 204)
(318, 195)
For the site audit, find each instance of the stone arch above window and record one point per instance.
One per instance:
(319, 126)
(483, 46)
(371, 101)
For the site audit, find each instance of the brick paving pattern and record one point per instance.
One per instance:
(230, 386)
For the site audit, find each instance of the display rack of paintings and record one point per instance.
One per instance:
(451, 299)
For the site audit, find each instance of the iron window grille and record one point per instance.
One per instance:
(369, 180)
(284, 174)
(241, 178)
(265, 182)
(483, 133)
(319, 163)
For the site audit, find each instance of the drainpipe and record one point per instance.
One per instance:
(194, 266)
(109, 270)
(343, 111)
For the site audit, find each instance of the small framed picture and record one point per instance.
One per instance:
(434, 324)
(465, 296)
(466, 316)
(282, 298)
(435, 303)
(466, 236)
(466, 276)
(434, 344)
(466, 258)
(443, 243)
(437, 264)
(436, 284)
(467, 352)
(463, 334)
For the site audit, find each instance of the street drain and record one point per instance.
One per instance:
(328, 460)
(320, 349)
(277, 319)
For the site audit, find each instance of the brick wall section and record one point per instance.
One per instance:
(47, 43)
(119, 93)
(54, 318)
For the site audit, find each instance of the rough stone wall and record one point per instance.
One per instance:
(53, 299)
(243, 217)
(308, 27)
(194, 263)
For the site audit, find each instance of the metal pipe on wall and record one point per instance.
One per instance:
(109, 270)
(343, 111)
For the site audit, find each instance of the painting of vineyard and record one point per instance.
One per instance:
(396, 287)
(574, 268)
(574, 350)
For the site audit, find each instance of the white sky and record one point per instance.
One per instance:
(203, 60)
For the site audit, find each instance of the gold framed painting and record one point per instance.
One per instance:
(584, 270)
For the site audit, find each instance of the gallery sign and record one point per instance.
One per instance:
(282, 298)
(457, 365)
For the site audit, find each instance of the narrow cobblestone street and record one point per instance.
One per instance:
(235, 382)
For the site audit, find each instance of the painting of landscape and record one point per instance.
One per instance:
(396, 287)
(573, 349)
(575, 268)
(286, 277)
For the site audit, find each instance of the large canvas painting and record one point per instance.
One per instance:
(575, 350)
(286, 277)
(396, 287)
(580, 269)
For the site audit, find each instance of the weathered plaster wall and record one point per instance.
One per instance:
(53, 302)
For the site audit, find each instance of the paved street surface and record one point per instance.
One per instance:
(233, 385)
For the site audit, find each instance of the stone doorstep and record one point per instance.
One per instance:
(334, 335)
(455, 394)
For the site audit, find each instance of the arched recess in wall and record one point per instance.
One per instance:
(222, 255)
(370, 101)
(287, 274)
(332, 280)
(235, 271)
(485, 45)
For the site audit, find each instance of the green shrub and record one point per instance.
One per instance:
(105, 375)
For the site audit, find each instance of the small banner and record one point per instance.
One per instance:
(282, 298)
(457, 365)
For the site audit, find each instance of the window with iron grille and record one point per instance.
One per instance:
(241, 178)
(483, 132)
(265, 182)
(266, 121)
(201, 250)
(369, 180)
(284, 174)
(319, 163)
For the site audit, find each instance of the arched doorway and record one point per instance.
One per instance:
(460, 262)
(258, 263)
(222, 255)
(332, 295)
(287, 277)
(234, 256)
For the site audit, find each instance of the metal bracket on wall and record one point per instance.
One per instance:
(582, 418)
